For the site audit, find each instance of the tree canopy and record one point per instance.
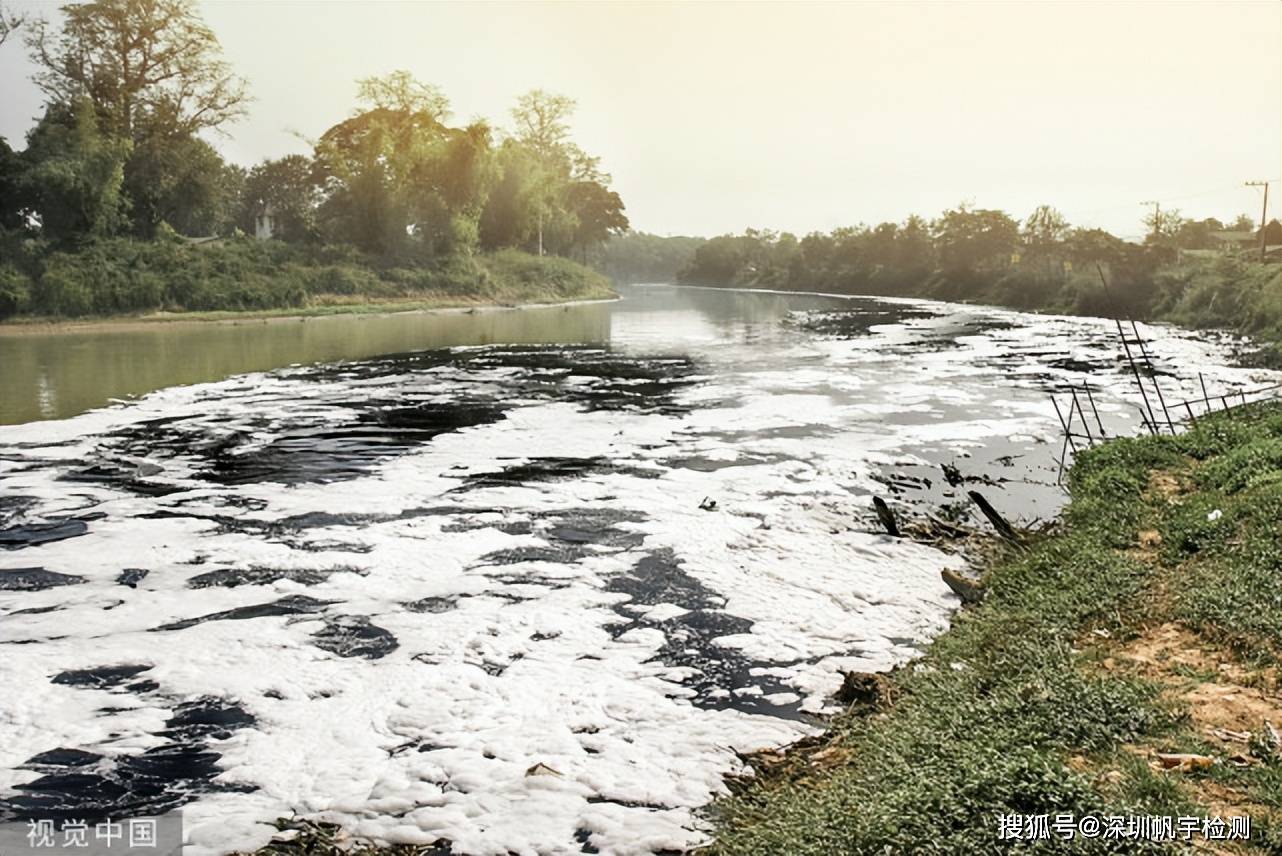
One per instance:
(135, 88)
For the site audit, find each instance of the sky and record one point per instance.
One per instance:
(717, 116)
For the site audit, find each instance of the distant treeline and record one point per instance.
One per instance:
(132, 90)
(642, 257)
(1196, 273)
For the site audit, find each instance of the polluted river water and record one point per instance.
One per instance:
(528, 586)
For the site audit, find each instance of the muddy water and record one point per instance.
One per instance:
(56, 375)
(529, 596)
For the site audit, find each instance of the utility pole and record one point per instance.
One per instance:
(1157, 219)
(1264, 215)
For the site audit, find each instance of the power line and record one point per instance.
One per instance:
(1163, 199)
(1264, 214)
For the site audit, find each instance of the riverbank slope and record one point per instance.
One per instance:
(1199, 290)
(168, 280)
(1126, 664)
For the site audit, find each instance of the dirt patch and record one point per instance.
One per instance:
(1221, 695)
(1228, 705)
(1165, 485)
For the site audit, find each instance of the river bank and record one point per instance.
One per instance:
(441, 305)
(120, 279)
(1125, 664)
(1089, 274)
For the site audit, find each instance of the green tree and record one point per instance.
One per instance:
(286, 187)
(13, 194)
(74, 174)
(518, 203)
(395, 179)
(400, 92)
(1044, 229)
(598, 214)
(975, 239)
(542, 122)
(149, 63)
(182, 181)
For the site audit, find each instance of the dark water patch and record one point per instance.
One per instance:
(701, 464)
(1073, 364)
(571, 534)
(598, 378)
(658, 578)
(36, 610)
(533, 470)
(233, 577)
(14, 507)
(131, 577)
(80, 785)
(507, 527)
(328, 452)
(857, 318)
(345, 432)
(31, 534)
(319, 444)
(294, 604)
(35, 579)
(547, 582)
(101, 677)
(517, 555)
(354, 636)
(58, 759)
(432, 604)
(690, 639)
(120, 476)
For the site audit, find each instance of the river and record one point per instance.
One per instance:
(524, 582)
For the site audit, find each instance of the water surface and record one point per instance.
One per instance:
(526, 596)
(53, 375)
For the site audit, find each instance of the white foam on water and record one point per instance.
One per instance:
(545, 704)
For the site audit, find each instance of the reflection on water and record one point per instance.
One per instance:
(57, 375)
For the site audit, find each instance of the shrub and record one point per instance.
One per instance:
(15, 291)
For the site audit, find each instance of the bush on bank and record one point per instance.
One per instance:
(123, 276)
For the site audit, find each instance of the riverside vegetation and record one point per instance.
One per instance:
(1127, 663)
(1184, 272)
(392, 204)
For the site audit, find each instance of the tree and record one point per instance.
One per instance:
(1243, 223)
(179, 180)
(9, 22)
(395, 178)
(542, 122)
(1044, 229)
(973, 239)
(149, 63)
(400, 92)
(14, 196)
(74, 174)
(287, 187)
(517, 204)
(598, 212)
(1163, 226)
(1198, 234)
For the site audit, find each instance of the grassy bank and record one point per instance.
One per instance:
(1148, 626)
(122, 277)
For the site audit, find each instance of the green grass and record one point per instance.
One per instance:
(990, 719)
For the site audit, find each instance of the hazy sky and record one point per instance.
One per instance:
(717, 116)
